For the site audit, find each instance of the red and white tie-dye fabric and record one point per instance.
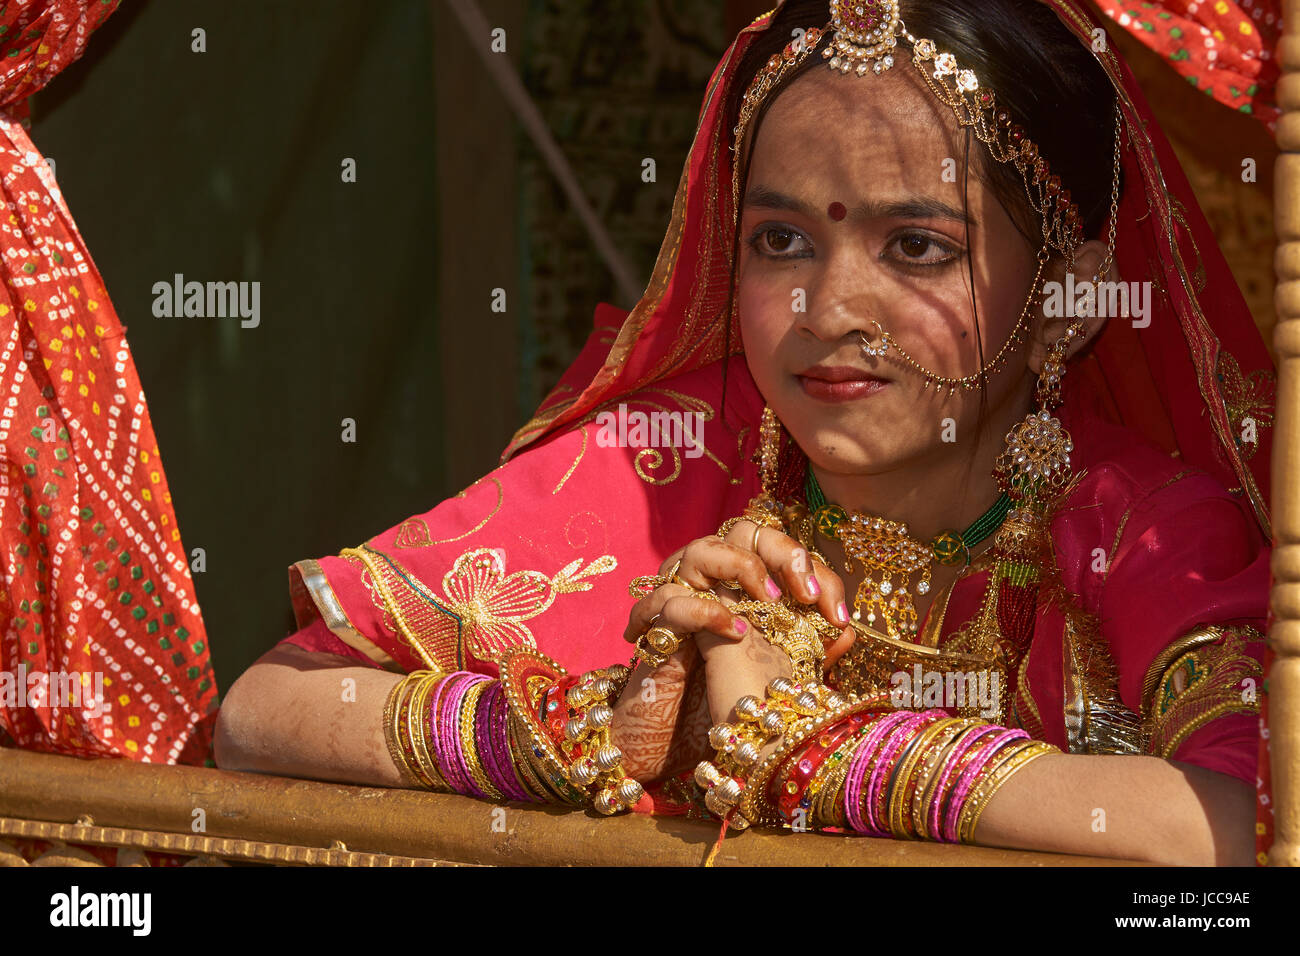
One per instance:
(102, 647)
(1225, 48)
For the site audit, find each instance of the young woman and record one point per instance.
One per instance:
(1008, 539)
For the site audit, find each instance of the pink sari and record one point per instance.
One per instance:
(1173, 498)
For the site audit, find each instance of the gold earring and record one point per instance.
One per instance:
(769, 450)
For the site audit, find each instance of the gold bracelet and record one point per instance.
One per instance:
(468, 743)
(927, 774)
(418, 735)
(898, 798)
(523, 769)
(979, 800)
(391, 738)
(754, 803)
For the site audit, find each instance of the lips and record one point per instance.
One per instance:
(840, 383)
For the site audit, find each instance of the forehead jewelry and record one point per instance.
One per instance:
(862, 38)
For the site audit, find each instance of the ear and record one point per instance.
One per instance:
(1048, 329)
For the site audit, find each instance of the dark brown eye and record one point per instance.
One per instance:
(778, 240)
(914, 246)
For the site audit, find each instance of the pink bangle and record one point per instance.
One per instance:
(857, 773)
(942, 797)
(888, 755)
(962, 788)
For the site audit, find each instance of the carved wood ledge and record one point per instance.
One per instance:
(256, 818)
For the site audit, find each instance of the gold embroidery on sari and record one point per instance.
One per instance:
(501, 497)
(1096, 720)
(1199, 277)
(413, 533)
(1201, 684)
(649, 459)
(574, 467)
(1246, 397)
(482, 610)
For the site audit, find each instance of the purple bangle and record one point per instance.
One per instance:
(487, 733)
(858, 771)
(963, 785)
(888, 764)
(941, 797)
(482, 740)
(501, 747)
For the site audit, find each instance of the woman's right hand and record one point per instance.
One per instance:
(755, 558)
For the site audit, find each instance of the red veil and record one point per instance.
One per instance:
(540, 550)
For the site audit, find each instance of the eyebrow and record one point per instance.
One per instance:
(916, 207)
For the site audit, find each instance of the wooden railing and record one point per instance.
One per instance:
(216, 815)
(1284, 635)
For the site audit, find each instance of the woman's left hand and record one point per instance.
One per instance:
(734, 668)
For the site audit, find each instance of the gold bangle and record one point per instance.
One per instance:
(980, 800)
(523, 769)
(927, 775)
(468, 744)
(425, 765)
(898, 799)
(409, 779)
(754, 804)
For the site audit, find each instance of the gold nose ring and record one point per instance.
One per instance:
(873, 350)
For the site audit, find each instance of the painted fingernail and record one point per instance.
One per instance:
(842, 613)
(740, 624)
(813, 587)
(772, 588)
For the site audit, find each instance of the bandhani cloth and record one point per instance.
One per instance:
(1148, 637)
(1226, 49)
(102, 647)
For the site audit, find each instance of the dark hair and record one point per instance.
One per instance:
(1041, 73)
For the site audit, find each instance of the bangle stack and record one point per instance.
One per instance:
(899, 774)
(535, 735)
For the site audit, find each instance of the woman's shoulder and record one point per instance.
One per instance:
(1123, 476)
(1139, 518)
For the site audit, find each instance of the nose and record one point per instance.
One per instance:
(841, 301)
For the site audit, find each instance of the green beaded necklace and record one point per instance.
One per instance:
(949, 547)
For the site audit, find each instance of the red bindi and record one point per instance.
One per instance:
(837, 211)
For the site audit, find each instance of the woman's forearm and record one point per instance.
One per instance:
(304, 714)
(1123, 806)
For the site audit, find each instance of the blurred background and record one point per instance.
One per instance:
(376, 295)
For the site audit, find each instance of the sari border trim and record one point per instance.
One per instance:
(316, 583)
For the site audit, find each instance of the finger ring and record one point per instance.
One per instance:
(656, 645)
(758, 529)
(731, 585)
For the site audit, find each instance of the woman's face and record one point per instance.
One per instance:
(853, 212)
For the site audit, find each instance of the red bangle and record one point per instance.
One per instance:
(808, 759)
